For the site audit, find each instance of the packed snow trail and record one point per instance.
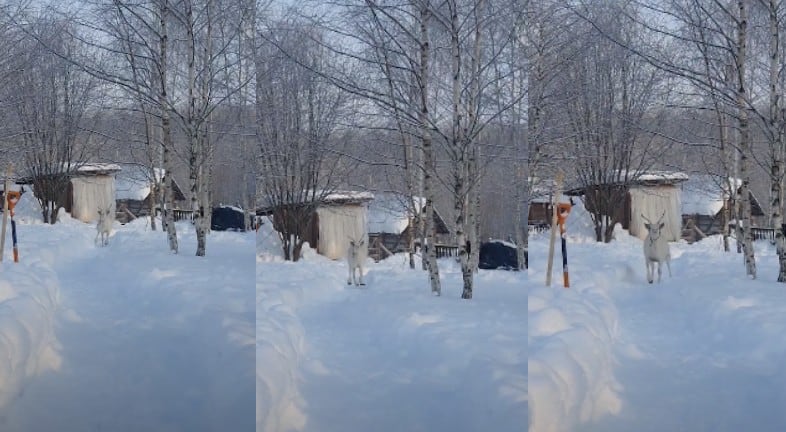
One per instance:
(148, 340)
(705, 350)
(391, 357)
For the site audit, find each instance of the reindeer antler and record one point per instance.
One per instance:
(660, 219)
(645, 218)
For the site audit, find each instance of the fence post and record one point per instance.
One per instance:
(554, 221)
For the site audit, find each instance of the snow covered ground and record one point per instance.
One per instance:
(703, 351)
(387, 356)
(126, 337)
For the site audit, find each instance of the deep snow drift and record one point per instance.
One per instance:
(126, 337)
(388, 356)
(704, 350)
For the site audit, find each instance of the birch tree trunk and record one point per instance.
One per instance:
(192, 130)
(459, 153)
(745, 145)
(777, 137)
(166, 130)
(430, 168)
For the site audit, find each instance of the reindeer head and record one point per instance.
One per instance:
(103, 213)
(654, 229)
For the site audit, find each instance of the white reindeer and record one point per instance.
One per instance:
(104, 226)
(356, 258)
(656, 248)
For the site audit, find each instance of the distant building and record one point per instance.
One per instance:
(705, 199)
(133, 192)
(392, 224)
(91, 187)
(651, 193)
(328, 224)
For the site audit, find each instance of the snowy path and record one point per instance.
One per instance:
(390, 357)
(691, 358)
(148, 341)
(703, 351)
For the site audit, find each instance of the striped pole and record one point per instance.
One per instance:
(564, 211)
(13, 236)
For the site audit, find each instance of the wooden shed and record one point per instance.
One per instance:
(705, 199)
(91, 186)
(652, 194)
(392, 223)
(330, 222)
(540, 204)
(133, 192)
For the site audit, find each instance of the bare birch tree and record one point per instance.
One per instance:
(298, 114)
(53, 104)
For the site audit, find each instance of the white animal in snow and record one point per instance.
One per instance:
(104, 226)
(356, 258)
(656, 248)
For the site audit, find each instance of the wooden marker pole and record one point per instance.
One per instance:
(554, 220)
(6, 186)
(564, 211)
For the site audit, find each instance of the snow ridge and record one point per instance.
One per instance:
(572, 335)
(29, 298)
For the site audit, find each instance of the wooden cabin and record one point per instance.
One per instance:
(540, 205)
(392, 224)
(705, 199)
(133, 192)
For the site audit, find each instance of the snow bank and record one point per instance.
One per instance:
(572, 336)
(29, 297)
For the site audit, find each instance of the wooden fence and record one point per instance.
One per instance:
(180, 215)
(444, 251)
(763, 233)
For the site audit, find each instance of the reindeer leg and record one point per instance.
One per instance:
(668, 263)
(361, 275)
(660, 270)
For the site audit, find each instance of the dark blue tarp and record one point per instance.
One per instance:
(498, 255)
(227, 219)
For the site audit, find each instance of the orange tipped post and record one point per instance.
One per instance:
(563, 210)
(12, 197)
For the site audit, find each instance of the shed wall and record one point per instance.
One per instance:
(652, 202)
(337, 224)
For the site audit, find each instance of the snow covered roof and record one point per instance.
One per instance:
(704, 194)
(97, 168)
(329, 198)
(648, 178)
(339, 197)
(74, 169)
(134, 182)
(541, 190)
(390, 212)
(661, 177)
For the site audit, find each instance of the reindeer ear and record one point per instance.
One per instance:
(362, 242)
(648, 226)
(662, 225)
(352, 243)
